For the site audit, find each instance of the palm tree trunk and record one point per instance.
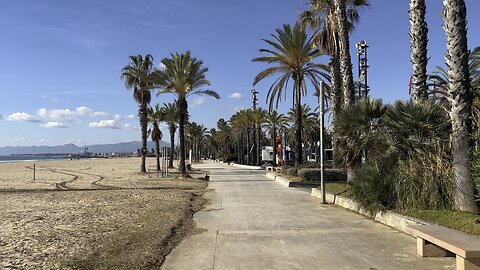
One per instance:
(345, 59)
(248, 148)
(183, 106)
(142, 113)
(172, 146)
(157, 149)
(298, 124)
(461, 98)
(274, 147)
(259, 150)
(336, 96)
(418, 49)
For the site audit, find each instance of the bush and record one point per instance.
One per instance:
(330, 175)
(292, 171)
(372, 188)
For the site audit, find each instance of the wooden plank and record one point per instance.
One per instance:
(464, 245)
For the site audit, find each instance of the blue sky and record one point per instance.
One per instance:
(60, 61)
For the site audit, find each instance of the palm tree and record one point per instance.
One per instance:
(182, 76)
(274, 121)
(258, 116)
(137, 76)
(358, 128)
(321, 19)
(309, 121)
(344, 45)
(460, 97)
(440, 82)
(154, 117)
(418, 49)
(170, 116)
(293, 54)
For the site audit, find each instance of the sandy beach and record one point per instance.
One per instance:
(92, 214)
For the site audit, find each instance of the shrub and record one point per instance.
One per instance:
(331, 175)
(292, 171)
(424, 183)
(372, 188)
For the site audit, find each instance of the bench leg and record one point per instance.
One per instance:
(470, 264)
(427, 249)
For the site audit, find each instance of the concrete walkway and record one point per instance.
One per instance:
(254, 223)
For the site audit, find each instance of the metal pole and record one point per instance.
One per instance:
(322, 160)
(33, 171)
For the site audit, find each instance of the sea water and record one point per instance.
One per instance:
(22, 158)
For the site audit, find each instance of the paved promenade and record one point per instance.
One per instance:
(254, 223)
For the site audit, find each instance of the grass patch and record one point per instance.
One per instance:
(337, 188)
(462, 221)
(290, 177)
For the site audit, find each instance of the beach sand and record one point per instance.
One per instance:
(92, 214)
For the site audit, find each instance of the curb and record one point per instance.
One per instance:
(283, 181)
(388, 218)
(246, 166)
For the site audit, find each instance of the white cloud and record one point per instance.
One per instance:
(54, 125)
(117, 117)
(23, 117)
(105, 124)
(111, 123)
(130, 116)
(1, 116)
(83, 110)
(68, 115)
(128, 127)
(237, 96)
(198, 102)
(100, 114)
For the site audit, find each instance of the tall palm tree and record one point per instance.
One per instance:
(170, 116)
(344, 45)
(137, 76)
(182, 76)
(274, 121)
(460, 97)
(154, 117)
(418, 48)
(321, 19)
(258, 116)
(292, 54)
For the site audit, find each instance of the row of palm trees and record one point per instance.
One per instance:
(241, 137)
(292, 53)
(180, 75)
(459, 93)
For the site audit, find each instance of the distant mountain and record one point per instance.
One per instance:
(124, 147)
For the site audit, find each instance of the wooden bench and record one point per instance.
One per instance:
(438, 241)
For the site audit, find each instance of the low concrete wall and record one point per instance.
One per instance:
(388, 218)
(246, 166)
(282, 180)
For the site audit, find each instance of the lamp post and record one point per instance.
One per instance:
(322, 150)
(362, 68)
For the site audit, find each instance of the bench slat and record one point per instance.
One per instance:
(464, 245)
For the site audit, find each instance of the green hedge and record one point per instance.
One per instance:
(331, 175)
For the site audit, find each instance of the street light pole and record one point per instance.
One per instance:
(322, 127)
